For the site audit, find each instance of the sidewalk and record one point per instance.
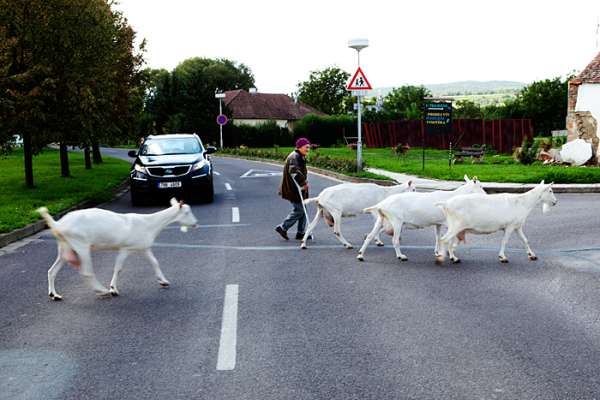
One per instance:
(490, 187)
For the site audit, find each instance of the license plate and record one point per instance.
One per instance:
(169, 185)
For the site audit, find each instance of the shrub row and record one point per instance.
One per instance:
(341, 165)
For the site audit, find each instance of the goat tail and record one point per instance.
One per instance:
(311, 200)
(51, 222)
(372, 210)
(43, 211)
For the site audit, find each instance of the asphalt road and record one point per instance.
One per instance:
(310, 324)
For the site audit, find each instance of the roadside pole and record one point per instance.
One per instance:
(357, 85)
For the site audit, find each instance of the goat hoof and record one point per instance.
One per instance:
(403, 258)
(164, 284)
(303, 246)
(504, 260)
(55, 297)
(532, 258)
(360, 257)
(380, 244)
(348, 246)
(114, 293)
(456, 261)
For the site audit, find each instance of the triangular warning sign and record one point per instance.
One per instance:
(359, 81)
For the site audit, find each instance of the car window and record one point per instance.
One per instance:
(170, 146)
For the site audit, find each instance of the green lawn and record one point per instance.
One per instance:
(18, 203)
(498, 168)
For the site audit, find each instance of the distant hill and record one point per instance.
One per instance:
(464, 88)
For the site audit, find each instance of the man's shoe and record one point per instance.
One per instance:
(300, 236)
(283, 233)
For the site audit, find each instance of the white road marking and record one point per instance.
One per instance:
(259, 173)
(217, 173)
(228, 342)
(235, 214)
(227, 186)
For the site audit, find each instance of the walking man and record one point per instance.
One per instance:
(294, 172)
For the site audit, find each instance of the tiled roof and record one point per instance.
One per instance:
(591, 73)
(244, 105)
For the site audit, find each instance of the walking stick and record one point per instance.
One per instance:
(301, 200)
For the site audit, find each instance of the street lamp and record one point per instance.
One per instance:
(358, 45)
(219, 95)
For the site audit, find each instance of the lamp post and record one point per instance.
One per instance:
(219, 95)
(358, 45)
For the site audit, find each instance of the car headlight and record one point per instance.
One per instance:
(140, 168)
(199, 165)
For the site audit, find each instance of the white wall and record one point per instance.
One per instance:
(282, 123)
(588, 99)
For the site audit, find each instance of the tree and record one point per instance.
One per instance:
(545, 102)
(326, 91)
(67, 70)
(405, 102)
(466, 109)
(184, 100)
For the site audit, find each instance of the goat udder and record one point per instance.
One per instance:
(461, 236)
(72, 258)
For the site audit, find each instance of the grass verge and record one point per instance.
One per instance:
(494, 168)
(18, 203)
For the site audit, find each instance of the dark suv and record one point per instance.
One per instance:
(168, 165)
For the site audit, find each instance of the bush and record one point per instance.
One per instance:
(263, 135)
(326, 130)
(342, 165)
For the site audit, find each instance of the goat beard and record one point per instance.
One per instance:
(183, 228)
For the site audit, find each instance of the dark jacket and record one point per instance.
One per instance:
(295, 168)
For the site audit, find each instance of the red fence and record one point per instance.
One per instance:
(502, 134)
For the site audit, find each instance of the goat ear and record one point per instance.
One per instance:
(173, 201)
(542, 182)
(409, 183)
(466, 178)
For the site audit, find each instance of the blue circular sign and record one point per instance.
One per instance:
(221, 119)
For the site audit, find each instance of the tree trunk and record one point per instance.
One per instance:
(88, 159)
(97, 156)
(64, 161)
(28, 158)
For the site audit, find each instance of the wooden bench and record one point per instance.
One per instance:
(475, 153)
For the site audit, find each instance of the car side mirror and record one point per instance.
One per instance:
(132, 153)
(210, 150)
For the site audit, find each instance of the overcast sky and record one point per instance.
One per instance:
(414, 42)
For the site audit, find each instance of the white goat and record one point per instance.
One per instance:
(480, 214)
(83, 231)
(348, 200)
(413, 210)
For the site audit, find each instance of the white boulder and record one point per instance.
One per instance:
(576, 152)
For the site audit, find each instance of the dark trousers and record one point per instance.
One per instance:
(296, 215)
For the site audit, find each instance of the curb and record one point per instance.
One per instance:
(434, 184)
(35, 227)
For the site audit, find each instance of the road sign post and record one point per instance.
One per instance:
(221, 119)
(358, 84)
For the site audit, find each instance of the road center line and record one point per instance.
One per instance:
(217, 173)
(227, 186)
(228, 341)
(235, 214)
